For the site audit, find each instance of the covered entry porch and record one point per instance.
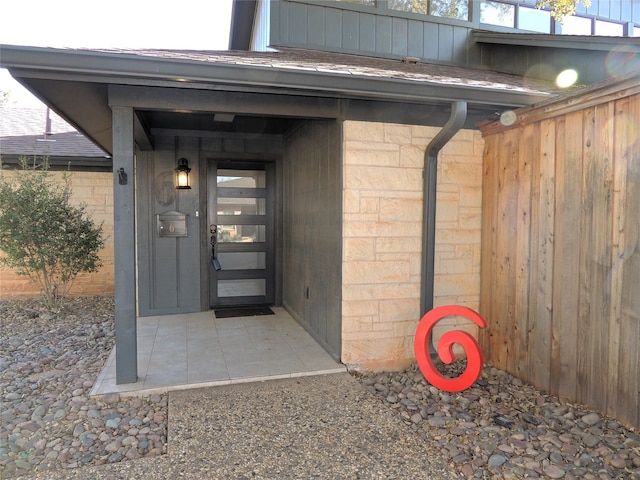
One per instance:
(182, 351)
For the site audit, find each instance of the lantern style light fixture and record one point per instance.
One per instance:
(183, 175)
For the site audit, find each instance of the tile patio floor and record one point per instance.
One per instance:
(197, 350)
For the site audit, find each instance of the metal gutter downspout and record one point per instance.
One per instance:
(453, 125)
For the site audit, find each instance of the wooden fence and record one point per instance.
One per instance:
(560, 286)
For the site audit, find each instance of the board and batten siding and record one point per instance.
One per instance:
(560, 281)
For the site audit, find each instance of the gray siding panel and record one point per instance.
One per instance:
(445, 43)
(298, 25)
(350, 31)
(431, 45)
(383, 35)
(334, 28)
(400, 36)
(415, 35)
(367, 33)
(351, 28)
(312, 219)
(460, 36)
(315, 25)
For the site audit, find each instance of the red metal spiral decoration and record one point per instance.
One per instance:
(475, 359)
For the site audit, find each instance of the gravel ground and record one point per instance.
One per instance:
(388, 425)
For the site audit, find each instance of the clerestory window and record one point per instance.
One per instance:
(458, 9)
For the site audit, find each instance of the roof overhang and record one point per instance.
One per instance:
(82, 85)
(570, 42)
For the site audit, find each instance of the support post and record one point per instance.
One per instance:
(124, 245)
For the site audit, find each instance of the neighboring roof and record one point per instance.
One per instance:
(16, 120)
(71, 79)
(66, 144)
(23, 132)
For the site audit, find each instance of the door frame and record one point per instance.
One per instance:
(272, 287)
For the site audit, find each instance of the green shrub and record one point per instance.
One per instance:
(42, 235)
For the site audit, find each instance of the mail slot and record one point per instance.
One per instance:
(172, 224)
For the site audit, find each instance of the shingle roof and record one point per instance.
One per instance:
(22, 132)
(295, 59)
(16, 120)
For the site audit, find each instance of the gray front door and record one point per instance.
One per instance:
(242, 264)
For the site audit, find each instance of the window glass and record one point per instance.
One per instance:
(242, 288)
(576, 25)
(496, 13)
(241, 178)
(359, 2)
(450, 9)
(534, 20)
(243, 260)
(414, 6)
(609, 29)
(241, 233)
(440, 8)
(241, 206)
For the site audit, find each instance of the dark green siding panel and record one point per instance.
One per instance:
(350, 29)
(315, 25)
(399, 37)
(333, 37)
(367, 33)
(298, 24)
(383, 35)
(415, 37)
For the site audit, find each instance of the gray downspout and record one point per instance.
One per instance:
(455, 122)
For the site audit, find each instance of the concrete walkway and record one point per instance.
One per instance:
(325, 427)
(177, 352)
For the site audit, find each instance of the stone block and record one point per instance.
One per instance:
(401, 209)
(381, 154)
(363, 272)
(363, 131)
(397, 134)
(382, 178)
(398, 244)
(359, 249)
(411, 156)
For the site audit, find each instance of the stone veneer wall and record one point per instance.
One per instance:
(382, 238)
(95, 190)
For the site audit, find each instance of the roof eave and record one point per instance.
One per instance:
(106, 67)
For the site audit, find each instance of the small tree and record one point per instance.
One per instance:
(42, 235)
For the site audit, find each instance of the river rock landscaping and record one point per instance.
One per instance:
(499, 428)
(48, 364)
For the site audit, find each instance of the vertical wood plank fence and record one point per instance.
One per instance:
(560, 286)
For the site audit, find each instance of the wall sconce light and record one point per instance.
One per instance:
(183, 177)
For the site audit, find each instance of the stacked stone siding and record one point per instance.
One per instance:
(383, 165)
(95, 190)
